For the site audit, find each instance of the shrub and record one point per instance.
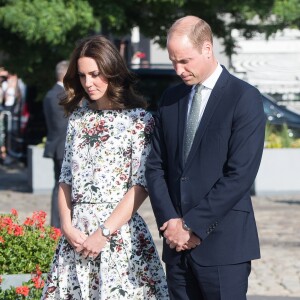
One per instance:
(280, 137)
(26, 248)
(23, 246)
(31, 290)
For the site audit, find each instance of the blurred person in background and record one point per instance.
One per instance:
(3, 83)
(10, 95)
(11, 92)
(3, 78)
(56, 123)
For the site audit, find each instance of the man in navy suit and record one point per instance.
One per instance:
(56, 124)
(201, 197)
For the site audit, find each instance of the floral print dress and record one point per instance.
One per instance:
(104, 157)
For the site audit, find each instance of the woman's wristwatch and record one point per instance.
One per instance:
(105, 231)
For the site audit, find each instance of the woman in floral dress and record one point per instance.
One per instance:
(106, 251)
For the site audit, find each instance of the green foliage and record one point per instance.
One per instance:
(34, 291)
(288, 12)
(152, 16)
(36, 34)
(39, 21)
(24, 246)
(280, 137)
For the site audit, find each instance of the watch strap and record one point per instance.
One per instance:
(105, 231)
(185, 227)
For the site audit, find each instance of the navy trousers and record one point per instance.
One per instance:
(190, 281)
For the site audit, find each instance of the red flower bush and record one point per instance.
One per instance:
(23, 246)
(26, 248)
(31, 290)
(22, 290)
(37, 279)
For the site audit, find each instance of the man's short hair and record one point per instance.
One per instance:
(61, 69)
(197, 30)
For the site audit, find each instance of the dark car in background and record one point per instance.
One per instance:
(28, 124)
(278, 115)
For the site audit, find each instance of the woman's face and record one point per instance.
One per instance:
(91, 80)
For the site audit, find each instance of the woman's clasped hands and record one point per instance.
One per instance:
(89, 246)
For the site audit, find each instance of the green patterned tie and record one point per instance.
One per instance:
(192, 120)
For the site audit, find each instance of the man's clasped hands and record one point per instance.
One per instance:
(178, 237)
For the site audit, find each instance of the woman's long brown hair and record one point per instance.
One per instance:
(112, 67)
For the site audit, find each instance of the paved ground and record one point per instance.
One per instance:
(276, 276)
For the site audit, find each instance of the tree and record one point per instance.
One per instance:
(36, 34)
(287, 13)
(154, 16)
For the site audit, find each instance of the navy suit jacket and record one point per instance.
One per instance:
(56, 123)
(211, 191)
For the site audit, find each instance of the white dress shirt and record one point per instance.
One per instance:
(208, 84)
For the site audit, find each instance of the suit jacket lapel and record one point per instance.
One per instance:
(214, 99)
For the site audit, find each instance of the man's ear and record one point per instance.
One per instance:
(207, 49)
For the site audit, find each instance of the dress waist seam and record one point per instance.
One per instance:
(79, 203)
(94, 203)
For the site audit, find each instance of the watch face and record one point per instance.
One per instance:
(186, 227)
(105, 232)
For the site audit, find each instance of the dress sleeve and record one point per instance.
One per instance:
(141, 141)
(66, 169)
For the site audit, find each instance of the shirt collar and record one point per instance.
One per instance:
(212, 79)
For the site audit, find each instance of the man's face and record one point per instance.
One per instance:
(190, 63)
